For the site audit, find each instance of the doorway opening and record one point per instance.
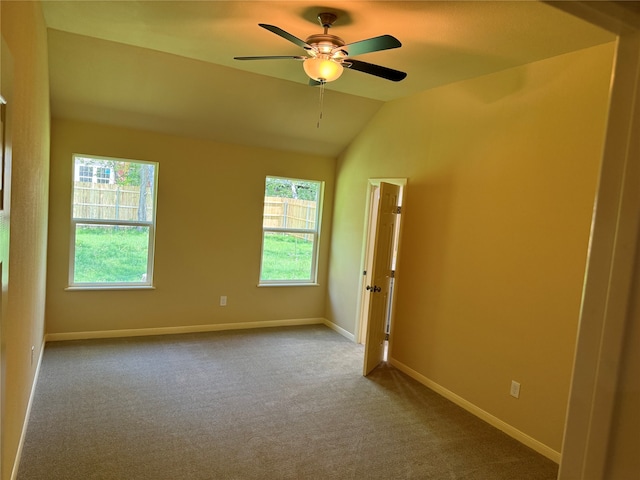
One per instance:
(379, 267)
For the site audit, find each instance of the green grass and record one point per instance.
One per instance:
(110, 254)
(119, 255)
(286, 257)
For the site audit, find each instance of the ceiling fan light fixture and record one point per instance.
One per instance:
(322, 69)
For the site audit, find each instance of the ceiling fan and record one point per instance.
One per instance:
(328, 55)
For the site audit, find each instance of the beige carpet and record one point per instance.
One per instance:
(281, 403)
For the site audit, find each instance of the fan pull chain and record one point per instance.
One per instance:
(321, 102)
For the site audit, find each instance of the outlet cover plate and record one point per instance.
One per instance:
(515, 389)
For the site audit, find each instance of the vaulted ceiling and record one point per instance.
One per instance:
(168, 65)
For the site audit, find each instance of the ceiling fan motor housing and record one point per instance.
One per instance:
(325, 43)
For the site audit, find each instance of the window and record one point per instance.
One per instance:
(88, 172)
(290, 231)
(85, 173)
(112, 222)
(103, 175)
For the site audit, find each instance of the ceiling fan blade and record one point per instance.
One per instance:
(375, 44)
(286, 35)
(377, 70)
(272, 57)
(314, 83)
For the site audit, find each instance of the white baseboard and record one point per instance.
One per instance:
(340, 330)
(513, 432)
(140, 332)
(23, 434)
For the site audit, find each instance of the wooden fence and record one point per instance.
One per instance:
(109, 201)
(291, 213)
(115, 202)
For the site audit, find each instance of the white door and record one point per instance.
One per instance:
(379, 286)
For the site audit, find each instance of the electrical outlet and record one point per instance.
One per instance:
(515, 389)
(223, 301)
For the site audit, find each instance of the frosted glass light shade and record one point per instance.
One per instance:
(322, 69)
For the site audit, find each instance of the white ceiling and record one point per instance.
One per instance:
(168, 65)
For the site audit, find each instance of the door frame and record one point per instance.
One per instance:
(6, 96)
(367, 251)
(607, 304)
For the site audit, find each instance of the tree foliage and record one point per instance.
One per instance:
(292, 188)
(127, 173)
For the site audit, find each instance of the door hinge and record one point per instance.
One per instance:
(364, 272)
(386, 336)
(398, 210)
(393, 274)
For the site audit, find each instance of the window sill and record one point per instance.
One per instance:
(109, 287)
(288, 285)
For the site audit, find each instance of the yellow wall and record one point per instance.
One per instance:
(25, 34)
(502, 172)
(208, 241)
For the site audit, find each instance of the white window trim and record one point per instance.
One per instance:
(151, 224)
(307, 282)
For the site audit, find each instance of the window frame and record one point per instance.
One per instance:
(315, 232)
(75, 222)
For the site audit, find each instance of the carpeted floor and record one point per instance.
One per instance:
(280, 403)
